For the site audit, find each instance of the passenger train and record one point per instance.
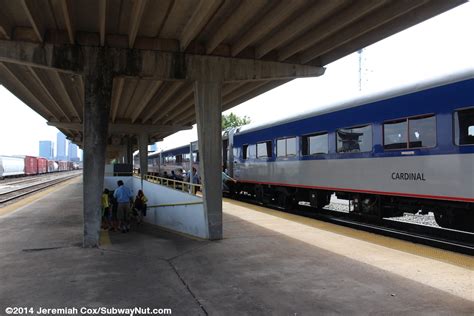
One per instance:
(407, 150)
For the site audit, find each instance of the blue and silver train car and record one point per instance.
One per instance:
(173, 160)
(406, 150)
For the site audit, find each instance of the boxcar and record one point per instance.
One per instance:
(11, 166)
(42, 165)
(31, 165)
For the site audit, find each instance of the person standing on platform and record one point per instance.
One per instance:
(140, 206)
(106, 223)
(124, 198)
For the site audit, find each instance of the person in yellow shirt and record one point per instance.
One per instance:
(106, 210)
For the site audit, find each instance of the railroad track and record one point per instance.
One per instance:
(25, 190)
(442, 238)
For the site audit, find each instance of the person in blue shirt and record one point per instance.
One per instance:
(124, 198)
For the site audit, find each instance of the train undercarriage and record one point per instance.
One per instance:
(448, 214)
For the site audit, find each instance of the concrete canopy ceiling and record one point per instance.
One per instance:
(297, 32)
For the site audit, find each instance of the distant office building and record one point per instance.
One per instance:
(152, 148)
(72, 152)
(61, 147)
(46, 149)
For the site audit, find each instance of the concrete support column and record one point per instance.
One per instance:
(97, 99)
(207, 94)
(129, 151)
(143, 152)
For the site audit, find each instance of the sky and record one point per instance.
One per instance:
(441, 45)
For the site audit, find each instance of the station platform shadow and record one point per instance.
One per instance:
(252, 271)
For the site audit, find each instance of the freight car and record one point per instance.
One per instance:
(31, 165)
(406, 150)
(11, 166)
(14, 166)
(42, 165)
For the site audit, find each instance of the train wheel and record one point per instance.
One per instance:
(442, 220)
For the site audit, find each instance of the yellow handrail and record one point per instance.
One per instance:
(183, 186)
(176, 204)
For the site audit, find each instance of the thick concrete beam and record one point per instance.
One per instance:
(122, 128)
(98, 90)
(208, 116)
(60, 57)
(152, 64)
(235, 69)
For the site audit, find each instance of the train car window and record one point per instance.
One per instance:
(262, 150)
(291, 146)
(317, 144)
(354, 140)
(422, 131)
(281, 148)
(395, 135)
(244, 151)
(286, 147)
(251, 152)
(464, 127)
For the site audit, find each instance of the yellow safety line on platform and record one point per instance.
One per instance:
(460, 260)
(34, 197)
(104, 238)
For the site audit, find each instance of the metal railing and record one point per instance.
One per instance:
(183, 186)
(176, 204)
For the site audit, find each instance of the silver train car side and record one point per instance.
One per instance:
(407, 150)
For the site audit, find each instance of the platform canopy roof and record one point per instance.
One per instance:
(284, 39)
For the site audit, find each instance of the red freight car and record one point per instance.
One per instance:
(31, 165)
(42, 165)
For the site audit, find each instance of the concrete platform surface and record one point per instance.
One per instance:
(274, 266)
